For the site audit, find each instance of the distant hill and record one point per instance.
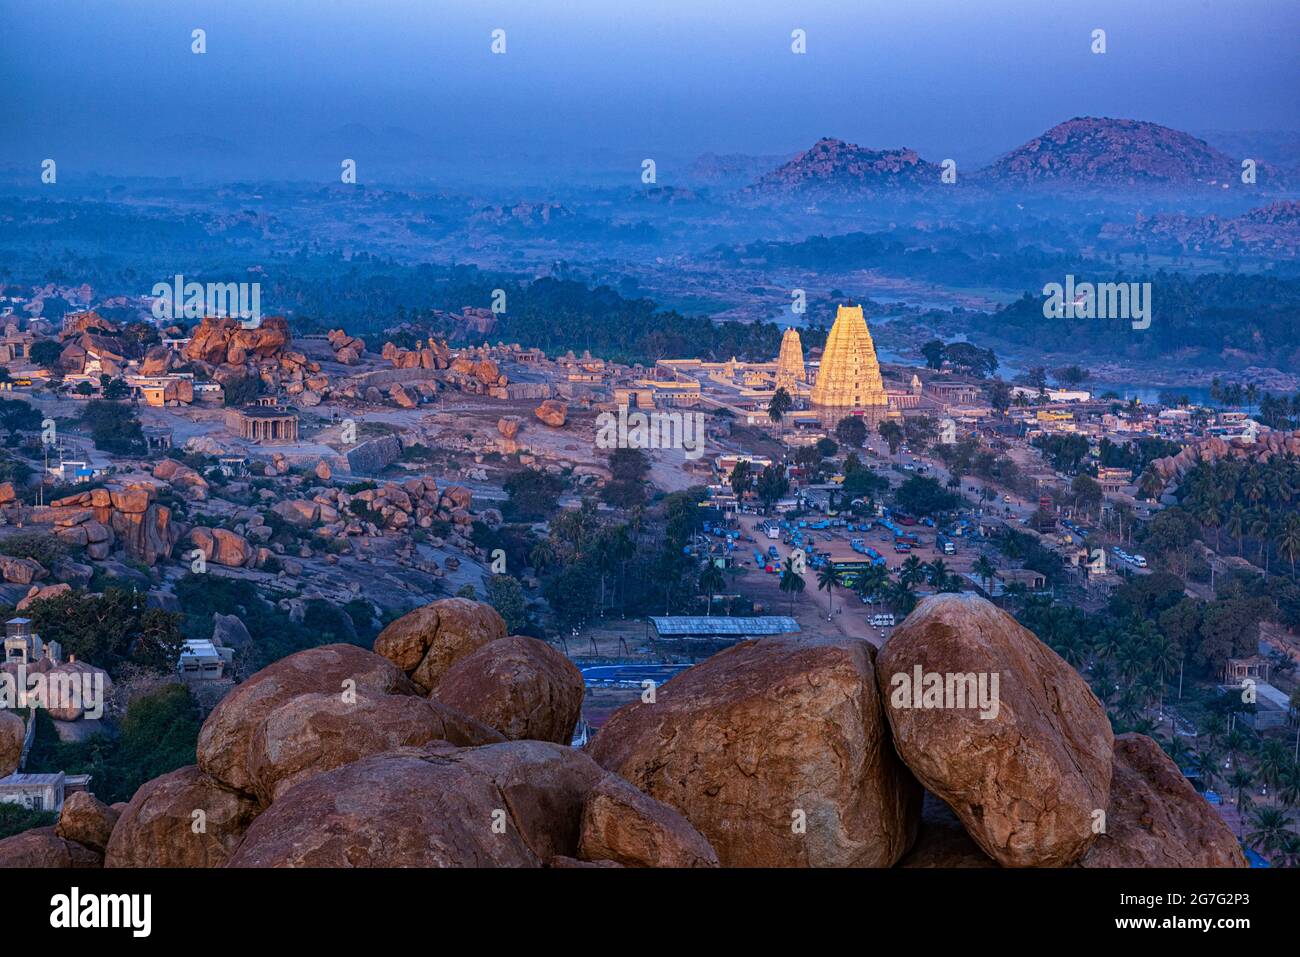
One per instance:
(1090, 152)
(835, 168)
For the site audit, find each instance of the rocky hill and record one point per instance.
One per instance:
(446, 746)
(1099, 152)
(835, 168)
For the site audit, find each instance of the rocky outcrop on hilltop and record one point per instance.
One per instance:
(433, 355)
(313, 733)
(114, 516)
(1025, 775)
(1155, 818)
(780, 752)
(223, 350)
(426, 642)
(1267, 445)
(347, 349)
(834, 167)
(777, 751)
(1272, 230)
(225, 740)
(520, 686)
(1092, 151)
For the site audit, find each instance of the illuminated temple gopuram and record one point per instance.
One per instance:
(849, 375)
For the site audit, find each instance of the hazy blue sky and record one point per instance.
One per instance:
(112, 83)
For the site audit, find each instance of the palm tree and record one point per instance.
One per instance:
(542, 556)
(1236, 525)
(1261, 527)
(827, 580)
(902, 598)
(1288, 540)
(1240, 781)
(792, 582)
(871, 581)
(776, 409)
(1207, 763)
(985, 569)
(1269, 825)
(711, 582)
(1288, 851)
(912, 571)
(938, 571)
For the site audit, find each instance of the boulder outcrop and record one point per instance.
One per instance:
(520, 686)
(1155, 817)
(226, 735)
(314, 733)
(1025, 773)
(425, 642)
(777, 751)
(182, 819)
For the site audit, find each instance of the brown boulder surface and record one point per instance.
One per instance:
(1155, 817)
(1026, 781)
(86, 820)
(517, 804)
(552, 412)
(161, 827)
(425, 642)
(12, 731)
(224, 739)
(621, 824)
(314, 733)
(777, 751)
(521, 686)
(42, 847)
(942, 841)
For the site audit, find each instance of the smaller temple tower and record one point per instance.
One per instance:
(789, 363)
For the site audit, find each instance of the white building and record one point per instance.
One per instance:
(201, 660)
(41, 792)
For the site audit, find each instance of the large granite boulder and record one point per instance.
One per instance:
(1025, 773)
(86, 820)
(777, 752)
(42, 847)
(1155, 817)
(621, 824)
(225, 737)
(517, 804)
(521, 686)
(12, 731)
(313, 733)
(425, 642)
(182, 819)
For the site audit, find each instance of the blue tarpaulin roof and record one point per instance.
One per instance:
(685, 626)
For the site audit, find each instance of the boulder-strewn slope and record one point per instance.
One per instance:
(780, 752)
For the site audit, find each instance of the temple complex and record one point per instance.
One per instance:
(849, 375)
